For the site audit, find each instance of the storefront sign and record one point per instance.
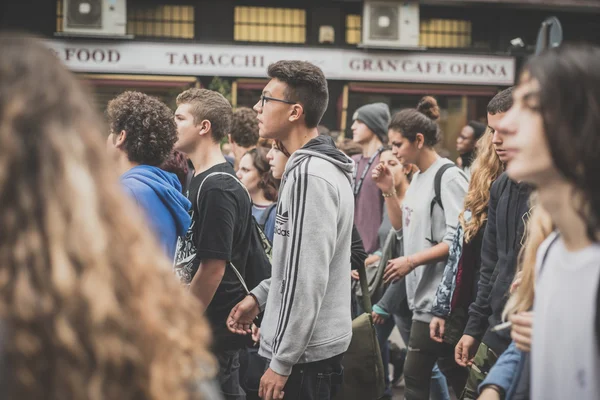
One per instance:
(252, 61)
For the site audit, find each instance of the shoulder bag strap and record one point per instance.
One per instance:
(237, 273)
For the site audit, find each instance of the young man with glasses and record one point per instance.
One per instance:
(307, 325)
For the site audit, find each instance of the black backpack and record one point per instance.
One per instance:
(437, 198)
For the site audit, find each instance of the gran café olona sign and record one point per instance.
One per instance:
(252, 61)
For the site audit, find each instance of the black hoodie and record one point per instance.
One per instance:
(508, 211)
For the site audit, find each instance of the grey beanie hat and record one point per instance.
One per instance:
(377, 117)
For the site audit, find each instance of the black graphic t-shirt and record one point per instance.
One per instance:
(221, 228)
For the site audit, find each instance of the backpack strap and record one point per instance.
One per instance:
(220, 173)
(265, 215)
(437, 187)
(237, 273)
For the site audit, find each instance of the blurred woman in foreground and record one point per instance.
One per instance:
(91, 308)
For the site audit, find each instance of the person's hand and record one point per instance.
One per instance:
(396, 269)
(489, 394)
(516, 282)
(465, 350)
(437, 326)
(354, 275)
(383, 178)
(271, 385)
(522, 328)
(255, 334)
(242, 315)
(377, 319)
(372, 259)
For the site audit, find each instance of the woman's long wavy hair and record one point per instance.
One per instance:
(91, 306)
(539, 227)
(569, 102)
(487, 167)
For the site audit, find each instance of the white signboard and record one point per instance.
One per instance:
(252, 61)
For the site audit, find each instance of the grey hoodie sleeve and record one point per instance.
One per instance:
(313, 222)
(262, 293)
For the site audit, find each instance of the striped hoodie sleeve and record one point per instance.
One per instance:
(313, 235)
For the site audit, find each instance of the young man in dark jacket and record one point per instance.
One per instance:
(507, 214)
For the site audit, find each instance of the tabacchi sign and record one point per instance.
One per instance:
(252, 61)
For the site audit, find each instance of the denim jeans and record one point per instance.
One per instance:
(319, 380)
(229, 374)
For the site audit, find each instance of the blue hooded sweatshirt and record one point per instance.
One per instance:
(158, 193)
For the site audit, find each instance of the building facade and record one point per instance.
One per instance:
(459, 51)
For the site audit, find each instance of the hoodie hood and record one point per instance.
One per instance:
(167, 188)
(322, 147)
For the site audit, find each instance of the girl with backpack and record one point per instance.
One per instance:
(255, 174)
(428, 217)
(458, 287)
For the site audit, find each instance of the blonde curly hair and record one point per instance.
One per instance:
(487, 167)
(91, 307)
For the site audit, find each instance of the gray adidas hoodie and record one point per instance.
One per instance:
(307, 299)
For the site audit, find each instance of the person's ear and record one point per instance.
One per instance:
(204, 127)
(296, 112)
(420, 141)
(120, 139)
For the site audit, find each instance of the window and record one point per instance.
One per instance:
(445, 33)
(353, 29)
(151, 20)
(161, 21)
(265, 24)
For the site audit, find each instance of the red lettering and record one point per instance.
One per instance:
(367, 65)
(98, 55)
(69, 53)
(502, 71)
(455, 69)
(81, 53)
(115, 53)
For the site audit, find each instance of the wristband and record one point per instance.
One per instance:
(411, 263)
(390, 194)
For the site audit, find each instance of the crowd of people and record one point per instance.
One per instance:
(141, 260)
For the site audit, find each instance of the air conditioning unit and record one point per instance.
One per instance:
(95, 17)
(390, 24)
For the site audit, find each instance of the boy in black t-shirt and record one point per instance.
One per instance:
(221, 225)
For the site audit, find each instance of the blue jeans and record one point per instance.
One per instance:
(439, 385)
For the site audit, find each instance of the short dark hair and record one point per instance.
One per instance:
(149, 123)
(177, 163)
(502, 102)
(306, 84)
(244, 127)
(411, 121)
(211, 106)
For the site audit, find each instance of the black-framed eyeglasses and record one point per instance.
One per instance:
(264, 99)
